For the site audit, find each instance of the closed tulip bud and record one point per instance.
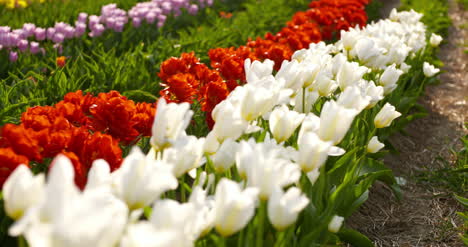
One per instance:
(374, 145)
(170, 122)
(335, 121)
(389, 78)
(335, 224)
(429, 70)
(385, 116)
(435, 40)
(234, 207)
(313, 152)
(21, 191)
(284, 122)
(283, 208)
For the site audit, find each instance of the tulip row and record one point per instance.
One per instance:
(300, 142)
(112, 18)
(82, 127)
(184, 79)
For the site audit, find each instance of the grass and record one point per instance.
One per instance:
(128, 61)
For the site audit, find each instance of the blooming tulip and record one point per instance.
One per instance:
(435, 40)
(313, 152)
(389, 78)
(184, 155)
(142, 179)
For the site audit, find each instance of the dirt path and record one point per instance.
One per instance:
(426, 216)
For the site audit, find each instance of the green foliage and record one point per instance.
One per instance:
(435, 14)
(129, 61)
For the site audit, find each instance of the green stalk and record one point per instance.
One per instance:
(260, 224)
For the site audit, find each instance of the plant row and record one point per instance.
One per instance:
(291, 154)
(30, 37)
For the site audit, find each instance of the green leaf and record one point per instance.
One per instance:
(462, 200)
(354, 238)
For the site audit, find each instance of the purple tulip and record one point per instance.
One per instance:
(13, 56)
(23, 45)
(34, 47)
(58, 38)
(83, 17)
(50, 33)
(40, 33)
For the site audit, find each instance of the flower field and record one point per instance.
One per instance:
(204, 122)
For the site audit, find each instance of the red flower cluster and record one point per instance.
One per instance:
(185, 79)
(82, 127)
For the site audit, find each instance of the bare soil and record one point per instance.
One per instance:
(427, 214)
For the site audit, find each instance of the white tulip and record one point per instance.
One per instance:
(144, 234)
(311, 123)
(234, 207)
(313, 176)
(268, 173)
(284, 122)
(257, 101)
(67, 217)
(310, 98)
(99, 176)
(284, 208)
(170, 215)
(435, 40)
(366, 50)
(228, 121)
(170, 122)
(374, 145)
(389, 78)
(335, 121)
(185, 154)
(376, 93)
(257, 70)
(335, 224)
(385, 116)
(21, 191)
(349, 74)
(352, 98)
(142, 179)
(225, 157)
(313, 152)
(429, 70)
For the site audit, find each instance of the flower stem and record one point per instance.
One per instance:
(260, 224)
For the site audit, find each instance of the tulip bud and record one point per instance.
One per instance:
(385, 116)
(284, 122)
(335, 224)
(374, 145)
(234, 207)
(389, 78)
(429, 70)
(225, 157)
(435, 40)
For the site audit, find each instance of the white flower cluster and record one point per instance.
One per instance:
(108, 211)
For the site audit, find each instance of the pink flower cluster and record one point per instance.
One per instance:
(111, 18)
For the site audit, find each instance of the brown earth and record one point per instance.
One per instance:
(427, 214)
